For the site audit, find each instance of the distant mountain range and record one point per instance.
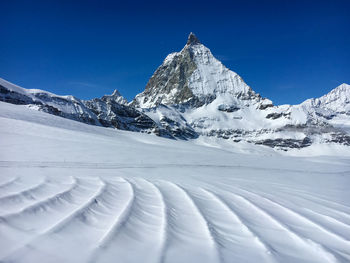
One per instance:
(193, 94)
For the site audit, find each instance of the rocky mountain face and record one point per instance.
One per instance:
(195, 78)
(193, 94)
(109, 111)
(200, 92)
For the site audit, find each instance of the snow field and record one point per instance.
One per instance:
(71, 192)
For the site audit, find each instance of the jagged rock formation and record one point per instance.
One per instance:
(195, 78)
(193, 94)
(115, 97)
(169, 84)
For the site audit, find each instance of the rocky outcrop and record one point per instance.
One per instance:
(177, 130)
(169, 84)
(192, 39)
(277, 115)
(285, 143)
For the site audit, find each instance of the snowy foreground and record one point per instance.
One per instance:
(70, 192)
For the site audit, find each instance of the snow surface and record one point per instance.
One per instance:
(71, 192)
(211, 77)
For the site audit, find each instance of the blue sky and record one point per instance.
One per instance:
(287, 51)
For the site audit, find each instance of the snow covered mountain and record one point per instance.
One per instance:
(194, 77)
(64, 106)
(199, 91)
(109, 111)
(333, 107)
(193, 94)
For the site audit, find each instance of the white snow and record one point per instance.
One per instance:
(71, 192)
(212, 77)
(337, 100)
(170, 57)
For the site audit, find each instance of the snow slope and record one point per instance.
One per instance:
(72, 192)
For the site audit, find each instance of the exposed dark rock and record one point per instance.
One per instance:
(265, 106)
(309, 128)
(228, 133)
(228, 108)
(177, 130)
(14, 97)
(274, 115)
(170, 77)
(112, 114)
(327, 117)
(340, 138)
(192, 39)
(277, 115)
(285, 143)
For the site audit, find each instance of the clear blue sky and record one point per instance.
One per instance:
(287, 51)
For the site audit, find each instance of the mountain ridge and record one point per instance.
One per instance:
(193, 94)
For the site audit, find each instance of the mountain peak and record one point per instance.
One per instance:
(344, 86)
(116, 96)
(192, 39)
(342, 91)
(116, 93)
(335, 101)
(194, 77)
